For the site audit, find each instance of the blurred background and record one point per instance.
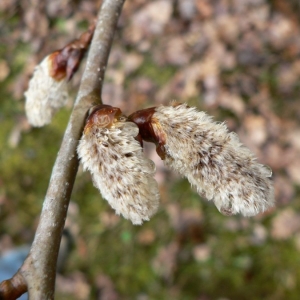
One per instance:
(238, 60)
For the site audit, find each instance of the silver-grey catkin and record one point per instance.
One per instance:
(214, 161)
(120, 170)
(45, 95)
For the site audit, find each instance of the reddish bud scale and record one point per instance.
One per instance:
(102, 115)
(66, 61)
(146, 123)
(57, 66)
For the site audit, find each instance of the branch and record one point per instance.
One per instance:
(39, 268)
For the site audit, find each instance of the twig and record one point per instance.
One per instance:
(39, 268)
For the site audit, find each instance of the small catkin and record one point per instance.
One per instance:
(45, 95)
(213, 160)
(119, 168)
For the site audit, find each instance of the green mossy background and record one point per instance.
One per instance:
(194, 253)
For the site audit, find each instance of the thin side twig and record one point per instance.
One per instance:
(39, 268)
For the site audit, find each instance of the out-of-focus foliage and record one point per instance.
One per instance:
(237, 60)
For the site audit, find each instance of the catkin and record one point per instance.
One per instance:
(213, 160)
(119, 168)
(45, 95)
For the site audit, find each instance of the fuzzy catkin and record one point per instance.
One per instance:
(213, 160)
(45, 95)
(120, 170)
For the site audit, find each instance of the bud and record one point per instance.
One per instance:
(119, 169)
(211, 158)
(47, 91)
